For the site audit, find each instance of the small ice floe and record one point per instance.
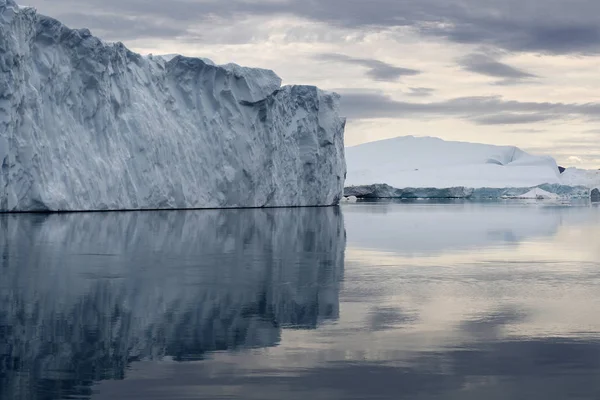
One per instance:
(537, 194)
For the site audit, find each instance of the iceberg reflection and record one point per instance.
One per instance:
(84, 295)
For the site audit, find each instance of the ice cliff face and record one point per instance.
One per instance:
(86, 125)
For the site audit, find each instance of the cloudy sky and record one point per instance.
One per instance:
(522, 72)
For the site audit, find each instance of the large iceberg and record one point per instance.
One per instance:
(86, 125)
(427, 167)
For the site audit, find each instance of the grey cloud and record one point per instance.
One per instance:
(486, 65)
(524, 35)
(114, 27)
(481, 110)
(514, 82)
(512, 119)
(420, 91)
(527, 131)
(546, 26)
(377, 70)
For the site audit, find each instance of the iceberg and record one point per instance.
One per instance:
(383, 191)
(581, 177)
(88, 125)
(426, 167)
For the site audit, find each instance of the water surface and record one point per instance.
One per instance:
(367, 301)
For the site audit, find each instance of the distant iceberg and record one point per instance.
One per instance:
(382, 191)
(426, 167)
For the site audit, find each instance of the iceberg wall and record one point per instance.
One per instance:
(86, 125)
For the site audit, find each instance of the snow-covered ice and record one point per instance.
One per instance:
(86, 125)
(427, 162)
(581, 177)
(427, 167)
(538, 194)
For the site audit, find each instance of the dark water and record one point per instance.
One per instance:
(369, 301)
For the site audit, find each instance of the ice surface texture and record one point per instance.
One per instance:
(86, 125)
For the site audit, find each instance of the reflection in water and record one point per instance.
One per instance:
(82, 296)
(438, 301)
(425, 228)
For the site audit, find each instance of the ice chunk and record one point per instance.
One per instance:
(538, 194)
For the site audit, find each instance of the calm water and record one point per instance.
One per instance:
(368, 301)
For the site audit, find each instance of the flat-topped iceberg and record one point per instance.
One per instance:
(86, 125)
(425, 167)
(426, 162)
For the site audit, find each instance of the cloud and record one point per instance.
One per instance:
(482, 110)
(377, 70)
(544, 26)
(486, 65)
(575, 159)
(523, 35)
(585, 145)
(420, 91)
(512, 119)
(527, 131)
(119, 27)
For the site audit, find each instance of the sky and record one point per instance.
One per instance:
(507, 72)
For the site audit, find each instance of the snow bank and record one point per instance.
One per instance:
(411, 162)
(86, 125)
